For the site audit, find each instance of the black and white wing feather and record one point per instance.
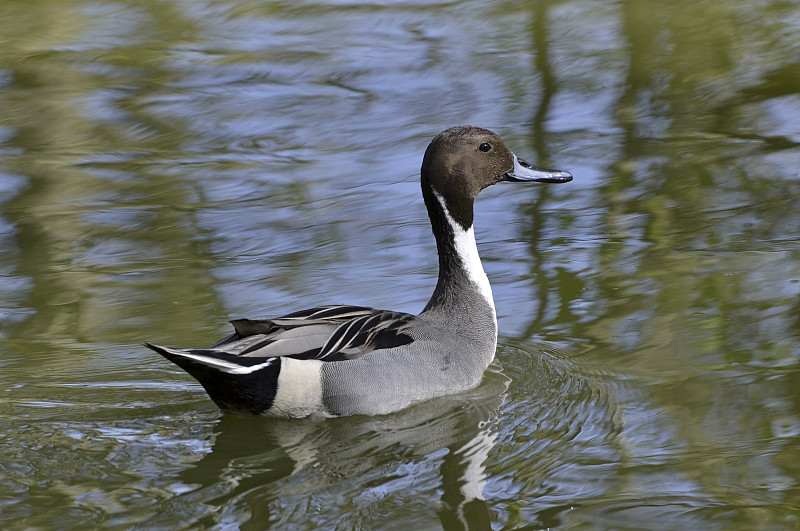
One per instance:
(327, 333)
(356, 337)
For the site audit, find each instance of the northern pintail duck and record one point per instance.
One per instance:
(353, 360)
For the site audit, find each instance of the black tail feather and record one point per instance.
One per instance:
(250, 393)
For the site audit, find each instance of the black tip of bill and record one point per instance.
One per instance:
(523, 171)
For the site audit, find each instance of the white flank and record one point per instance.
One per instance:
(299, 388)
(467, 250)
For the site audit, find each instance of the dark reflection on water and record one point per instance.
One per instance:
(166, 166)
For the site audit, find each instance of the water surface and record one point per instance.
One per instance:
(166, 166)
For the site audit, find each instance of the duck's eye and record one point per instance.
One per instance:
(485, 147)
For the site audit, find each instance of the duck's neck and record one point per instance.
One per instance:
(463, 289)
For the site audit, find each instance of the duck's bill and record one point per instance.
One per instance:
(524, 171)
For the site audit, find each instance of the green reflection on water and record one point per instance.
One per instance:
(165, 166)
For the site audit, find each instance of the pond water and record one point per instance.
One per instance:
(168, 165)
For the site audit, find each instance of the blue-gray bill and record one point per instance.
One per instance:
(524, 171)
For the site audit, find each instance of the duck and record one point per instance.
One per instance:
(343, 360)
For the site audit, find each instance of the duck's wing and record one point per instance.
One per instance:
(327, 333)
(242, 372)
(381, 329)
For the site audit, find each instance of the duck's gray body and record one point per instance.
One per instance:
(350, 360)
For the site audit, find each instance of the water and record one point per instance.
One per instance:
(166, 166)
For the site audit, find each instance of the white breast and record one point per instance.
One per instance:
(467, 251)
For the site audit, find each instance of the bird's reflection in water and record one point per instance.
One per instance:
(264, 463)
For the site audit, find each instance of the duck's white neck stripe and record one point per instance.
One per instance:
(467, 251)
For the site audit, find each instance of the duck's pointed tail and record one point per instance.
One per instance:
(234, 383)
